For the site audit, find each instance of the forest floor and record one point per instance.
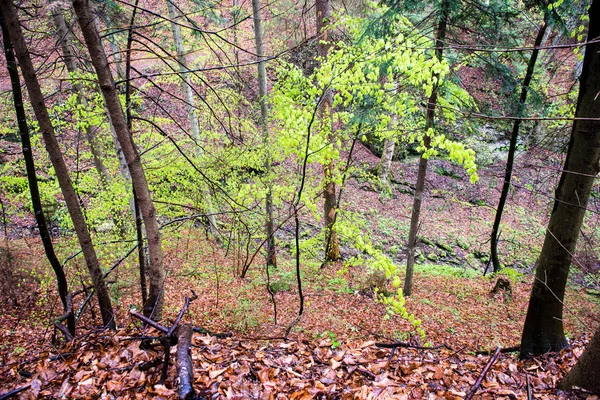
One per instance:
(332, 350)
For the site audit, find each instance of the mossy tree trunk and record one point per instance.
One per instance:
(61, 279)
(60, 168)
(543, 331)
(586, 372)
(156, 272)
(332, 247)
(513, 143)
(264, 115)
(422, 171)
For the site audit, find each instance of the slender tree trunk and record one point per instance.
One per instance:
(385, 164)
(64, 37)
(513, 143)
(586, 374)
(422, 171)
(114, 47)
(61, 279)
(332, 248)
(107, 85)
(62, 174)
(174, 15)
(264, 111)
(543, 331)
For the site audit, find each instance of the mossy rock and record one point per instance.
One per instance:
(481, 255)
(446, 247)
(462, 245)
(427, 241)
(433, 257)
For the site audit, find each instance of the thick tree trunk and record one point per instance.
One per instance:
(332, 248)
(107, 85)
(586, 374)
(62, 174)
(543, 330)
(513, 143)
(61, 279)
(422, 171)
(264, 114)
(174, 15)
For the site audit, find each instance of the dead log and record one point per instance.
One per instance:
(185, 369)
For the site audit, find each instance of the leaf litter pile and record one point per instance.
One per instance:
(339, 348)
(334, 350)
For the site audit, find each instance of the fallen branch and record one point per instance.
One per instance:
(183, 340)
(16, 391)
(185, 369)
(473, 390)
(204, 331)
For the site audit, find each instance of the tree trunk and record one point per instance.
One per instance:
(513, 143)
(385, 165)
(332, 248)
(174, 15)
(64, 38)
(422, 171)
(62, 174)
(586, 374)
(107, 85)
(61, 279)
(264, 111)
(543, 330)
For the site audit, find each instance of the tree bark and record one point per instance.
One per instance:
(174, 15)
(422, 171)
(62, 173)
(543, 331)
(513, 143)
(64, 38)
(264, 115)
(586, 374)
(185, 367)
(107, 85)
(385, 165)
(332, 248)
(61, 279)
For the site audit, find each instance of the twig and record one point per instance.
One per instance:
(504, 350)
(205, 331)
(471, 393)
(10, 394)
(186, 304)
(150, 322)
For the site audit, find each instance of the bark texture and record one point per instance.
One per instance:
(61, 280)
(385, 165)
(62, 173)
(264, 115)
(513, 143)
(64, 38)
(543, 331)
(332, 247)
(156, 271)
(422, 171)
(586, 374)
(185, 367)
